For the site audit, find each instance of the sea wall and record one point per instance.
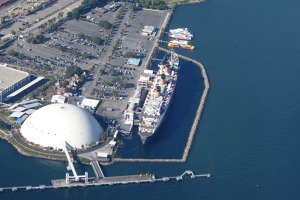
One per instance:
(192, 2)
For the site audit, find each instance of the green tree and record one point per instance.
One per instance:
(38, 39)
(60, 15)
(4, 125)
(63, 48)
(75, 14)
(85, 55)
(65, 83)
(105, 24)
(81, 35)
(101, 71)
(97, 40)
(11, 52)
(103, 136)
(108, 83)
(54, 27)
(83, 77)
(71, 70)
(20, 55)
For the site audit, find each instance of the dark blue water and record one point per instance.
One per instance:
(248, 137)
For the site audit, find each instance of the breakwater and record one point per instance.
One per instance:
(195, 122)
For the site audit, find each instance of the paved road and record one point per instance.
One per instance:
(104, 58)
(49, 13)
(63, 8)
(21, 142)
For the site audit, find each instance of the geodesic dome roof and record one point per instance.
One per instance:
(51, 125)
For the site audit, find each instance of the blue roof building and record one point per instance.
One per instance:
(134, 61)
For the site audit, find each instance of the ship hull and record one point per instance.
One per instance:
(146, 139)
(180, 38)
(159, 98)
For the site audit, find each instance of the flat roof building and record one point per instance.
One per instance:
(11, 80)
(58, 99)
(133, 61)
(149, 31)
(89, 103)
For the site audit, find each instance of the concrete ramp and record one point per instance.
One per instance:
(97, 169)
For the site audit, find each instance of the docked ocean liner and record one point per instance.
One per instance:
(158, 98)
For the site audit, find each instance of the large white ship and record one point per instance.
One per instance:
(158, 98)
(180, 36)
(184, 31)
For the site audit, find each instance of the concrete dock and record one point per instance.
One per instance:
(115, 180)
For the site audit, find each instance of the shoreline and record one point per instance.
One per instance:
(192, 2)
(36, 154)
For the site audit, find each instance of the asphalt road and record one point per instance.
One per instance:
(48, 13)
(104, 58)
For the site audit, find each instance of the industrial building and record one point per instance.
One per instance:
(54, 124)
(11, 80)
(89, 104)
(58, 99)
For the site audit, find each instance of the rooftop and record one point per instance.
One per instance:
(10, 76)
(133, 61)
(24, 88)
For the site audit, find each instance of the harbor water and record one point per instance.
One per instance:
(248, 137)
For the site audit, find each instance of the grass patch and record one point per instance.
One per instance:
(100, 106)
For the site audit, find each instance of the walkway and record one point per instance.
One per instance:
(97, 169)
(114, 180)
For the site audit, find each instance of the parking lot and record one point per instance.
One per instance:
(75, 43)
(118, 82)
(64, 47)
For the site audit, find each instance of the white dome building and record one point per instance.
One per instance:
(51, 125)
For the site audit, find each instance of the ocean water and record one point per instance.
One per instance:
(248, 137)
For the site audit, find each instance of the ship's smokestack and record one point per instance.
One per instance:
(158, 89)
(163, 79)
(167, 70)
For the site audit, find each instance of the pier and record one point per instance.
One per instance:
(16, 188)
(179, 178)
(113, 180)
